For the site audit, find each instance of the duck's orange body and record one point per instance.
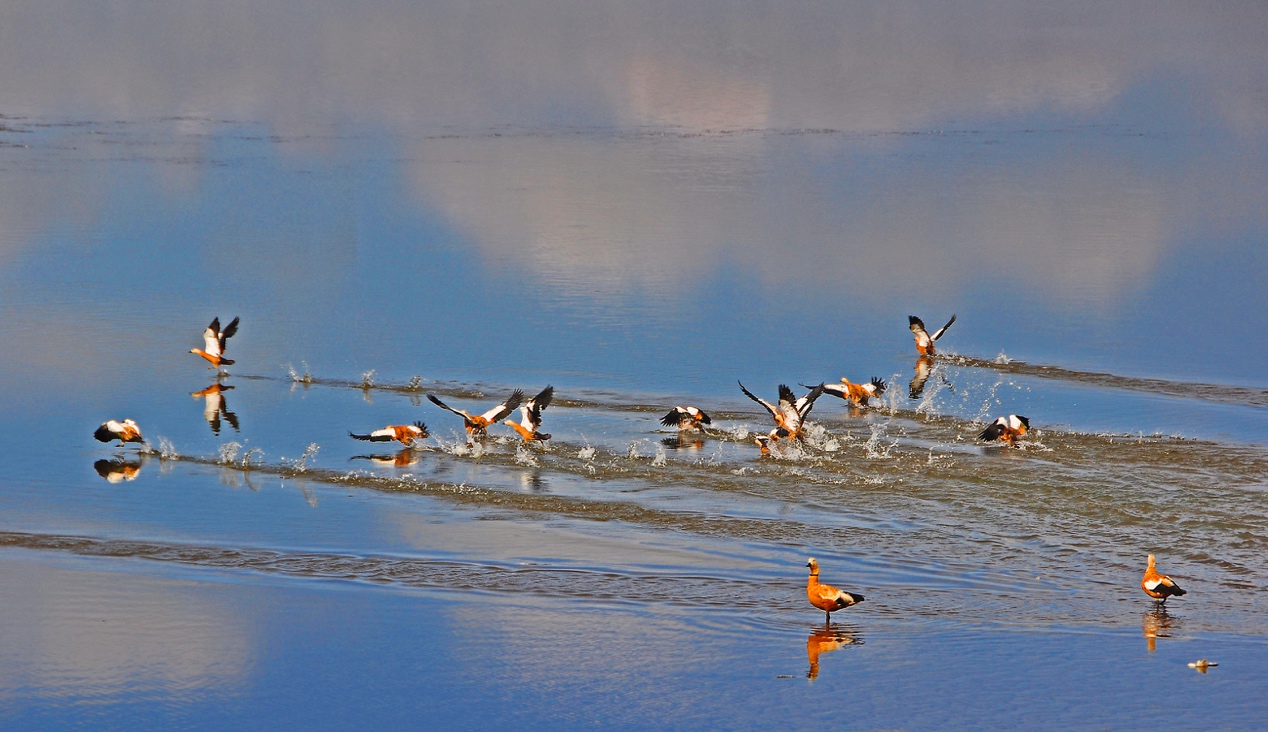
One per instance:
(214, 342)
(477, 425)
(1006, 429)
(405, 434)
(1158, 586)
(924, 341)
(826, 597)
(860, 394)
(531, 417)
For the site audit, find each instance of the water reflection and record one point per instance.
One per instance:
(120, 469)
(825, 640)
(688, 440)
(923, 368)
(1157, 623)
(215, 407)
(402, 458)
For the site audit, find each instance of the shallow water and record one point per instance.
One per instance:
(570, 197)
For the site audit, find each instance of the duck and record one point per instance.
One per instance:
(215, 406)
(405, 434)
(214, 341)
(924, 341)
(1159, 586)
(765, 441)
(1006, 429)
(531, 416)
(477, 425)
(826, 597)
(791, 413)
(125, 432)
(685, 418)
(859, 394)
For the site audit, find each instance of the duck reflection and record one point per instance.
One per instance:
(400, 459)
(215, 407)
(532, 482)
(825, 640)
(120, 469)
(924, 367)
(690, 440)
(1157, 623)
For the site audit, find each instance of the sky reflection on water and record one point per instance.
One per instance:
(640, 204)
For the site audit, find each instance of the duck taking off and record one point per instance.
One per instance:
(478, 424)
(924, 341)
(125, 431)
(214, 341)
(685, 418)
(1006, 429)
(405, 434)
(857, 393)
(791, 412)
(531, 416)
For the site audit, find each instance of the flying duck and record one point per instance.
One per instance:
(791, 413)
(826, 597)
(1158, 586)
(531, 416)
(125, 431)
(1007, 429)
(478, 424)
(685, 418)
(924, 341)
(402, 433)
(214, 342)
(857, 393)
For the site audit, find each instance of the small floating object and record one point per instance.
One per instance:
(1202, 664)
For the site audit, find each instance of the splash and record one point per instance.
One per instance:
(297, 377)
(227, 454)
(166, 450)
(876, 447)
(526, 458)
(659, 460)
(367, 379)
(415, 383)
(1002, 359)
(300, 464)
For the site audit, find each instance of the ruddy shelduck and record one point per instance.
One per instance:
(790, 414)
(924, 341)
(826, 597)
(531, 416)
(825, 640)
(214, 341)
(405, 434)
(1158, 586)
(686, 418)
(765, 441)
(1006, 429)
(478, 424)
(857, 393)
(125, 431)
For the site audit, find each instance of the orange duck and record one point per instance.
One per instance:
(1158, 586)
(826, 597)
